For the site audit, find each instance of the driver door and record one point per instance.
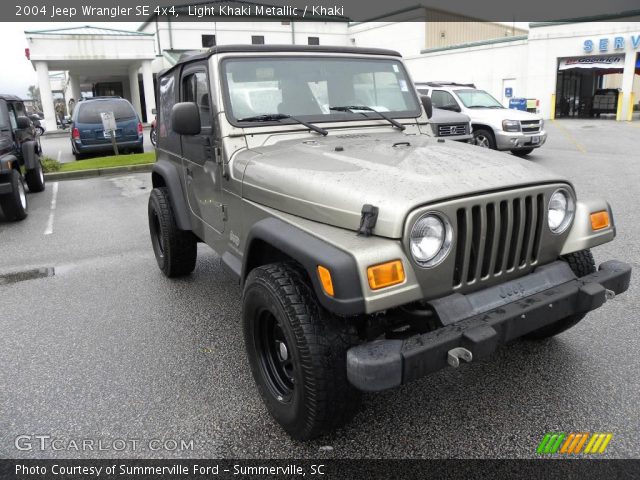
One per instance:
(202, 168)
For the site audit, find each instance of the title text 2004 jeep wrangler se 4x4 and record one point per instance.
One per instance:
(369, 252)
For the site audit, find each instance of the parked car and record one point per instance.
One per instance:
(88, 135)
(153, 133)
(369, 253)
(20, 152)
(445, 123)
(494, 126)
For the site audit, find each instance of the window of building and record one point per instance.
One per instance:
(285, 23)
(313, 40)
(257, 39)
(208, 41)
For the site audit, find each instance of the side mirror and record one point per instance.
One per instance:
(23, 122)
(428, 106)
(185, 118)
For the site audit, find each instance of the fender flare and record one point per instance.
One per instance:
(29, 151)
(309, 251)
(171, 179)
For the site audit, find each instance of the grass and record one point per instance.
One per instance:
(108, 162)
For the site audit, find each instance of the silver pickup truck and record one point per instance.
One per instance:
(369, 253)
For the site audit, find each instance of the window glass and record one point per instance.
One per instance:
(477, 99)
(167, 139)
(197, 91)
(89, 112)
(309, 87)
(313, 40)
(4, 124)
(257, 39)
(444, 100)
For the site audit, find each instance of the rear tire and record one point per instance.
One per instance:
(297, 352)
(484, 138)
(581, 263)
(35, 177)
(175, 250)
(14, 204)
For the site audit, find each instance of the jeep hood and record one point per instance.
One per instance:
(329, 179)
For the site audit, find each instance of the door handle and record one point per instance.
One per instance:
(189, 173)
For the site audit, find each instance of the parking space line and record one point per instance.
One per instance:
(54, 200)
(569, 136)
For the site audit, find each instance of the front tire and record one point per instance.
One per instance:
(484, 138)
(14, 204)
(176, 250)
(581, 263)
(297, 352)
(153, 136)
(35, 177)
(523, 152)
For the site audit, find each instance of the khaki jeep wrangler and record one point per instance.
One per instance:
(370, 253)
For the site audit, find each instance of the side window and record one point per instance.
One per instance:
(4, 115)
(167, 139)
(196, 90)
(444, 100)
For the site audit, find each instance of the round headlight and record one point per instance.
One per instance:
(430, 239)
(561, 210)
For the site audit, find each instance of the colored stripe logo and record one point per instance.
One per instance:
(574, 443)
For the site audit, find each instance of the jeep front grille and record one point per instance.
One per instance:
(497, 237)
(530, 126)
(450, 129)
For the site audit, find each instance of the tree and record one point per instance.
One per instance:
(34, 94)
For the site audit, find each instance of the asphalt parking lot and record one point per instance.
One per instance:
(107, 348)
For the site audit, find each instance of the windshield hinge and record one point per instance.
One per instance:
(368, 220)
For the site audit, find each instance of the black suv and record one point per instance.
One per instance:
(19, 155)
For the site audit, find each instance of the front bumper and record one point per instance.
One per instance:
(519, 140)
(481, 321)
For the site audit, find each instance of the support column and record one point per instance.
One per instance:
(627, 83)
(134, 88)
(74, 83)
(44, 84)
(149, 95)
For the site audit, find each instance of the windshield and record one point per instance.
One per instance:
(477, 99)
(310, 87)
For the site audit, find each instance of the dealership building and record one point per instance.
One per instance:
(561, 66)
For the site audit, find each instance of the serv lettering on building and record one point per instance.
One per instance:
(615, 43)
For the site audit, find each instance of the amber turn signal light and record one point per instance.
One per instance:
(599, 220)
(385, 274)
(325, 280)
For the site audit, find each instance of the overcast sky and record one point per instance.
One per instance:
(18, 73)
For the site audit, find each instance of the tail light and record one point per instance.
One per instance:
(75, 134)
(139, 128)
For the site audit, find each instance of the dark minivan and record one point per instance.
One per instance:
(88, 135)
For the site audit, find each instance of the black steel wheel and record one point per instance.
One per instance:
(297, 352)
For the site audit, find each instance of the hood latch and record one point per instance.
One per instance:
(368, 220)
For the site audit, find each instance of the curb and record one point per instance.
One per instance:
(98, 172)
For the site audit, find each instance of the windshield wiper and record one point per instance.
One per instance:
(274, 117)
(351, 108)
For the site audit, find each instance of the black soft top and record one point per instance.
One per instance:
(192, 57)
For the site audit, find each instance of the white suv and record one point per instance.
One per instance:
(494, 126)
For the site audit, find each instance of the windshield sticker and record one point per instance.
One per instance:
(403, 85)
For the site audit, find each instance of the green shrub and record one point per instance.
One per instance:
(50, 164)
